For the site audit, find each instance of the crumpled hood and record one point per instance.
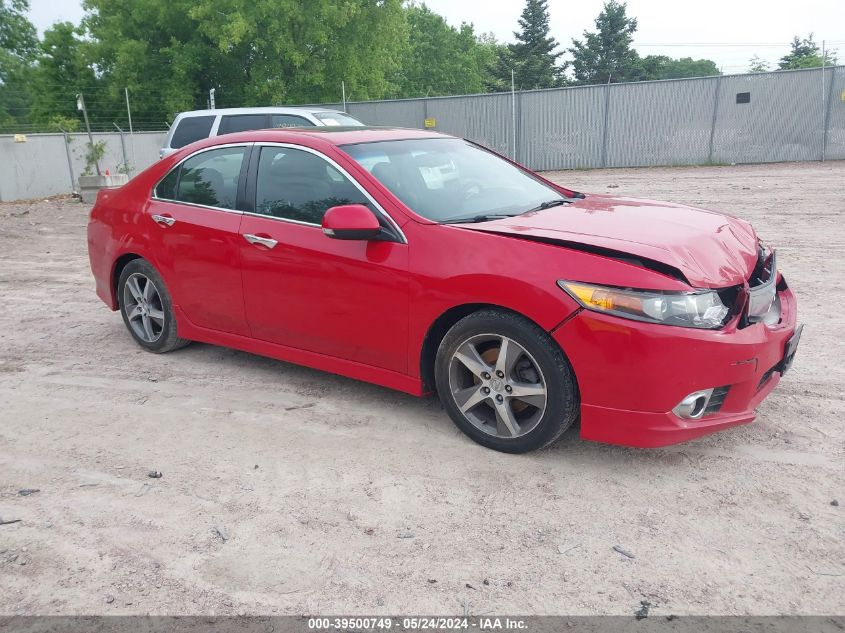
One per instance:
(712, 250)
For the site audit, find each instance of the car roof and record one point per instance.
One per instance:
(334, 135)
(257, 110)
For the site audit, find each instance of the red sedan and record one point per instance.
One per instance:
(423, 262)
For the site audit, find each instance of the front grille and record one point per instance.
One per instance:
(717, 399)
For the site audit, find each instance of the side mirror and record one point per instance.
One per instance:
(351, 222)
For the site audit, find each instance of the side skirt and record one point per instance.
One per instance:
(331, 364)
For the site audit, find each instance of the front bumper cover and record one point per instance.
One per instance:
(632, 374)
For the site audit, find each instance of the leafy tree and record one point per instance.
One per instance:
(62, 72)
(169, 53)
(663, 67)
(758, 65)
(805, 54)
(606, 55)
(534, 56)
(18, 47)
(440, 59)
(286, 50)
(154, 48)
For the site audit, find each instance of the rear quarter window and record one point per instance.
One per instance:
(166, 188)
(242, 123)
(289, 120)
(190, 129)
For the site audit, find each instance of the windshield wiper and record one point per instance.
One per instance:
(485, 217)
(548, 204)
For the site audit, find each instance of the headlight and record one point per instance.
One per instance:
(699, 309)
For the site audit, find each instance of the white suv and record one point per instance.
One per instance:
(198, 124)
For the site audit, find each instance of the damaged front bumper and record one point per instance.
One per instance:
(632, 375)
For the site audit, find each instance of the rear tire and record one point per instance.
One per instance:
(147, 308)
(505, 383)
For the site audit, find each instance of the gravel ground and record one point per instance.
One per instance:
(286, 490)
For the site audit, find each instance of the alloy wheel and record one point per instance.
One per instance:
(143, 307)
(497, 385)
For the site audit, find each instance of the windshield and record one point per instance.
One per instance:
(336, 118)
(445, 179)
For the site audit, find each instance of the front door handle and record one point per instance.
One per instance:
(256, 239)
(164, 220)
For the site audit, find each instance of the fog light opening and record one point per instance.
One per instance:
(694, 405)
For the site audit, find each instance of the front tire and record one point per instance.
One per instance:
(147, 309)
(505, 383)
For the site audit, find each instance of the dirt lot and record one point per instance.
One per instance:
(336, 496)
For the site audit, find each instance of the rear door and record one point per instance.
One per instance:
(195, 222)
(346, 299)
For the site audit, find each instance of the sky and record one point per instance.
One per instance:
(739, 28)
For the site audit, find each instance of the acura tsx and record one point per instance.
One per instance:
(427, 263)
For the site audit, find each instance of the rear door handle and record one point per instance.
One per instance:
(164, 220)
(256, 239)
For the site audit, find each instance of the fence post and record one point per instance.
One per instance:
(828, 106)
(513, 115)
(519, 143)
(606, 117)
(74, 193)
(122, 149)
(716, 95)
(131, 130)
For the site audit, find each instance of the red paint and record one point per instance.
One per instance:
(349, 218)
(346, 299)
(363, 309)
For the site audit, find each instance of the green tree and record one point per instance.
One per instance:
(62, 72)
(805, 54)
(154, 48)
(18, 49)
(607, 55)
(169, 53)
(663, 67)
(440, 59)
(286, 50)
(534, 56)
(758, 65)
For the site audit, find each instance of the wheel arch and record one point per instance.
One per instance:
(117, 269)
(441, 325)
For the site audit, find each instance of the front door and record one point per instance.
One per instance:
(193, 219)
(346, 299)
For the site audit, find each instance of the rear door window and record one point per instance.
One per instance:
(289, 120)
(190, 129)
(209, 179)
(241, 123)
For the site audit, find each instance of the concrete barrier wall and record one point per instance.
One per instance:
(38, 167)
(754, 118)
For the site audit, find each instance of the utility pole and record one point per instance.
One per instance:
(80, 105)
(343, 90)
(211, 99)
